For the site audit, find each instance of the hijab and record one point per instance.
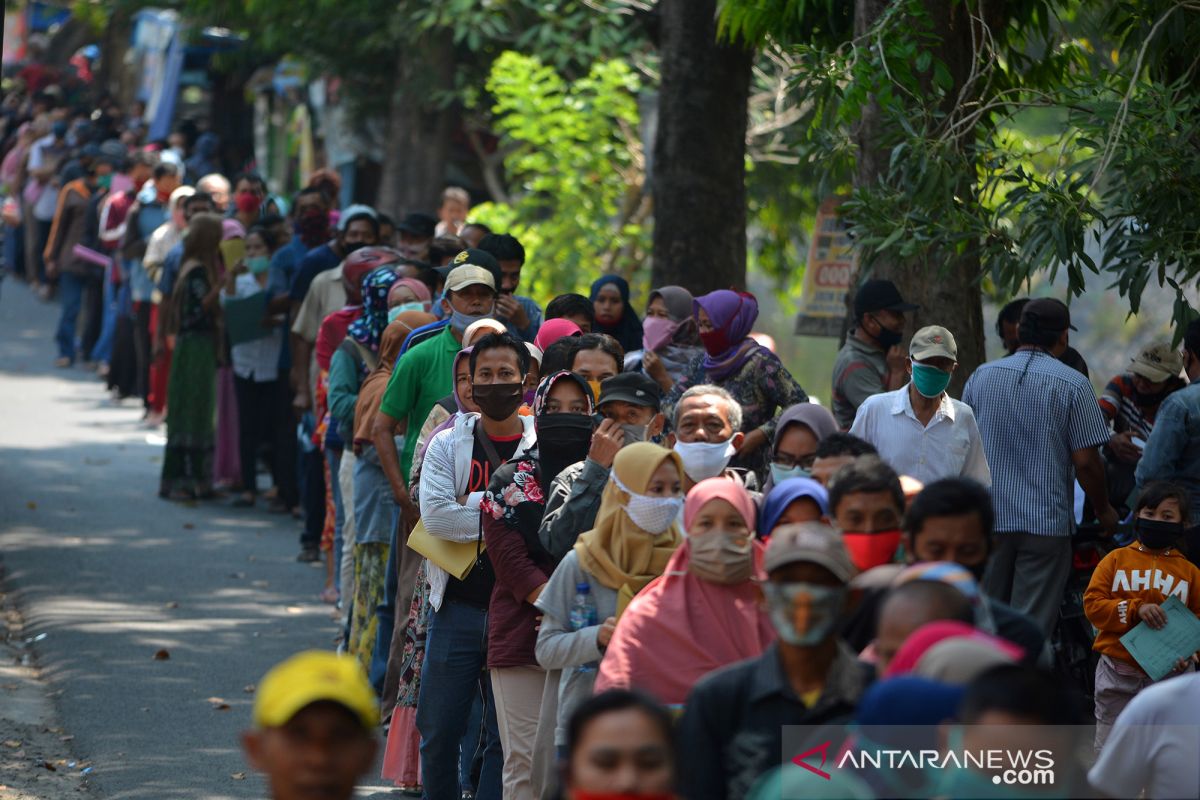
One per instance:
(570, 434)
(682, 627)
(368, 328)
(232, 229)
(618, 553)
(679, 303)
(419, 290)
(480, 328)
(628, 329)
(784, 493)
(732, 315)
(816, 418)
(554, 329)
(370, 394)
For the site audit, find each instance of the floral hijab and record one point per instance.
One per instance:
(368, 328)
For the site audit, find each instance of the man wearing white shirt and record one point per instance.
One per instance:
(920, 430)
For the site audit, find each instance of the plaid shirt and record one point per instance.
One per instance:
(1033, 412)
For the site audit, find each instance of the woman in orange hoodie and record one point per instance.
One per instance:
(1129, 587)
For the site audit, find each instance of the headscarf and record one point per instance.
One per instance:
(552, 461)
(535, 353)
(419, 290)
(628, 329)
(554, 329)
(368, 328)
(923, 639)
(783, 494)
(816, 418)
(475, 329)
(733, 314)
(370, 394)
(618, 553)
(681, 627)
(232, 229)
(679, 303)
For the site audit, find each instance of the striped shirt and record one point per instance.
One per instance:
(1033, 412)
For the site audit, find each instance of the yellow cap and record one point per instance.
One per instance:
(312, 677)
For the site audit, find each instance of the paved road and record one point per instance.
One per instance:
(111, 574)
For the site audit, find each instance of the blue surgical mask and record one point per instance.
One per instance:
(780, 473)
(460, 321)
(257, 264)
(930, 381)
(400, 309)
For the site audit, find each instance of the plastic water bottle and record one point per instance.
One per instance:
(583, 608)
(583, 615)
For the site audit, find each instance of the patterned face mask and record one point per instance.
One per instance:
(654, 515)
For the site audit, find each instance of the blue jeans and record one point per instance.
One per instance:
(70, 295)
(108, 328)
(452, 676)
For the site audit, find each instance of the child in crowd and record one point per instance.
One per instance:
(1129, 587)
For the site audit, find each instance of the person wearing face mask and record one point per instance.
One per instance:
(595, 357)
(249, 190)
(476, 258)
(1129, 587)
(872, 361)
(1173, 450)
(733, 719)
(918, 429)
(310, 229)
(866, 504)
(670, 337)
(511, 511)
(749, 372)
(520, 313)
(707, 426)
(455, 476)
(629, 403)
(260, 390)
(798, 433)
(613, 314)
(632, 542)
(424, 376)
(703, 613)
(408, 294)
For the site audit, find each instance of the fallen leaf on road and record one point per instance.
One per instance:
(238, 776)
(162, 655)
(249, 688)
(32, 506)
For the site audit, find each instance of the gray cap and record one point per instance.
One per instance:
(812, 543)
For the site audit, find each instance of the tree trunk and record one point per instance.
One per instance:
(946, 286)
(414, 163)
(698, 180)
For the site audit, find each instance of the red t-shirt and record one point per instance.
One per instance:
(333, 332)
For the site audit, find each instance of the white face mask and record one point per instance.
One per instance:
(705, 459)
(654, 515)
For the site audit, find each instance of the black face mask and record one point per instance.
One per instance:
(887, 337)
(563, 439)
(498, 401)
(1156, 534)
(350, 247)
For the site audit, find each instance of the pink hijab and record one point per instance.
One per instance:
(554, 329)
(680, 628)
(419, 290)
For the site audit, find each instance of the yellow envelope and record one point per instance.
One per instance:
(457, 558)
(232, 252)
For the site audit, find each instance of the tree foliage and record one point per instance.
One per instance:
(575, 168)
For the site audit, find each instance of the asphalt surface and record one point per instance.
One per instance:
(111, 575)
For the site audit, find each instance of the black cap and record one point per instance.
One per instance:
(418, 224)
(880, 295)
(479, 258)
(631, 387)
(1047, 314)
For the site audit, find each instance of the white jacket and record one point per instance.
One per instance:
(444, 476)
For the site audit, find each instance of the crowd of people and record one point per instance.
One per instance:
(610, 547)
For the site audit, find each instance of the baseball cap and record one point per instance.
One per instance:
(630, 387)
(880, 295)
(478, 258)
(809, 542)
(933, 341)
(1157, 362)
(469, 275)
(418, 224)
(1047, 314)
(356, 211)
(312, 677)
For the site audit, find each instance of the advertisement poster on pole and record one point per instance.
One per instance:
(832, 264)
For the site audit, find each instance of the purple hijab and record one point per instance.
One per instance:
(733, 314)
